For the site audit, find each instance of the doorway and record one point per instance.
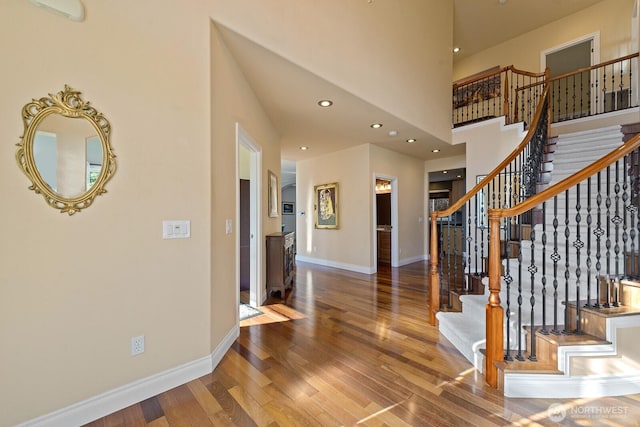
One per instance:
(248, 249)
(567, 58)
(385, 210)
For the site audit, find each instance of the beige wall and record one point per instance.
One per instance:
(233, 102)
(409, 173)
(348, 246)
(611, 18)
(74, 290)
(351, 246)
(392, 47)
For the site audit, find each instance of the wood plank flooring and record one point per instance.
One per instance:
(353, 349)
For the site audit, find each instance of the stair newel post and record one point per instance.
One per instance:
(434, 275)
(494, 311)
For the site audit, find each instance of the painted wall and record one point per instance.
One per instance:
(289, 195)
(74, 290)
(611, 18)
(409, 173)
(349, 246)
(233, 101)
(408, 38)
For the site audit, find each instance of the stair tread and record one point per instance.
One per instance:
(622, 310)
(524, 366)
(567, 339)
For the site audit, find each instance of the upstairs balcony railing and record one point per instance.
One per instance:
(512, 93)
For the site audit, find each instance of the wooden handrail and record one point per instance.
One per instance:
(579, 71)
(565, 184)
(494, 312)
(491, 73)
(530, 133)
(594, 67)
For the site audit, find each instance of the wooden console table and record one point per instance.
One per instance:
(280, 262)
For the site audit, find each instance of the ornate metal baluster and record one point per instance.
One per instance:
(469, 240)
(589, 220)
(617, 220)
(555, 257)
(519, 356)
(632, 259)
(599, 232)
(578, 244)
(449, 261)
(626, 209)
(544, 329)
(567, 234)
(533, 269)
(607, 204)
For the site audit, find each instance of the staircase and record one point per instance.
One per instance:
(595, 362)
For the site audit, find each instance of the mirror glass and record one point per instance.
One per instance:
(65, 150)
(68, 154)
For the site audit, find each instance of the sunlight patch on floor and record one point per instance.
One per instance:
(273, 313)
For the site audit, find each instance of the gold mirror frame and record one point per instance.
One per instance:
(67, 103)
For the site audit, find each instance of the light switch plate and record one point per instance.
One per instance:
(176, 229)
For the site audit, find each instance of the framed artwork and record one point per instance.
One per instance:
(288, 208)
(273, 195)
(326, 205)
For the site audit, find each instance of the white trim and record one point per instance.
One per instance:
(257, 292)
(119, 398)
(395, 251)
(336, 264)
(595, 45)
(559, 386)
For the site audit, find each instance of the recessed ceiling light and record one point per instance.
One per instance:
(435, 151)
(411, 140)
(376, 125)
(445, 171)
(325, 103)
(458, 176)
(304, 148)
(456, 49)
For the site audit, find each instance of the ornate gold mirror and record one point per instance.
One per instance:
(65, 150)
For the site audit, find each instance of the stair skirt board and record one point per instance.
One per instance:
(567, 386)
(561, 386)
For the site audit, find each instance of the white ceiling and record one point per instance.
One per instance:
(289, 93)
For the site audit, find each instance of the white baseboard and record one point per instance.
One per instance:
(119, 398)
(335, 264)
(411, 260)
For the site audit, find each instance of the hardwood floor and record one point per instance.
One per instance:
(353, 349)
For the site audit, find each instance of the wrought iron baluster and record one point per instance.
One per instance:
(544, 329)
(578, 245)
(519, 355)
(607, 205)
(626, 208)
(589, 222)
(599, 232)
(449, 261)
(567, 275)
(555, 257)
(533, 269)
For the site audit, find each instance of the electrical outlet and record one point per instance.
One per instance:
(137, 345)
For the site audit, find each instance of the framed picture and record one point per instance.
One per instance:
(288, 208)
(273, 195)
(326, 205)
